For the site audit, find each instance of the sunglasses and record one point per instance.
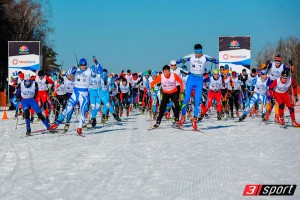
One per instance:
(82, 64)
(173, 65)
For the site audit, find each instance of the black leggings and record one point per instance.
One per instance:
(163, 104)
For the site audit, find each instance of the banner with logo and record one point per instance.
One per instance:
(23, 56)
(235, 51)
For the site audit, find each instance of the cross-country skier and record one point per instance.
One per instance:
(169, 91)
(214, 92)
(27, 90)
(43, 98)
(279, 90)
(195, 80)
(82, 82)
(260, 93)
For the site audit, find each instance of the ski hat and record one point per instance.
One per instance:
(173, 62)
(184, 67)
(41, 73)
(233, 73)
(263, 72)
(153, 72)
(215, 71)
(27, 79)
(285, 74)
(146, 73)
(244, 70)
(278, 58)
(226, 66)
(82, 61)
(21, 75)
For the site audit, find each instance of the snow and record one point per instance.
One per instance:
(129, 162)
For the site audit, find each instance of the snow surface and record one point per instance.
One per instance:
(129, 162)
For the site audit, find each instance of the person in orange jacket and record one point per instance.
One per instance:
(169, 91)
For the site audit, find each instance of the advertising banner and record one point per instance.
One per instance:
(23, 56)
(235, 51)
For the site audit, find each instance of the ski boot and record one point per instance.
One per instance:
(182, 120)
(242, 117)
(28, 132)
(93, 122)
(127, 112)
(194, 123)
(66, 127)
(156, 125)
(169, 115)
(231, 114)
(263, 116)
(219, 116)
(53, 126)
(103, 119)
(277, 120)
(281, 120)
(31, 119)
(267, 116)
(200, 117)
(295, 124)
(116, 117)
(237, 113)
(79, 131)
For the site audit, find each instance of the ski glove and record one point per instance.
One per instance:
(296, 98)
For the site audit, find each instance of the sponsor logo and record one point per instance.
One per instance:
(24, 50)
(234, 43)
(225, 56)
(269, 190)
(15, 61)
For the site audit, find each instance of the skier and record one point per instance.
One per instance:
(279, 90)
(155, 94)
(214, 92)
(27, 90)
(82, 81)
(59, 95)
(195, 80)
(125, 92)
(274, 70)
(234, 94)
(226, 83)
(43, 98)
(94, 96)
(260, 93)
(107, 85)
(169, 90)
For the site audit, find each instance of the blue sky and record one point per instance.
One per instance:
(147, 34)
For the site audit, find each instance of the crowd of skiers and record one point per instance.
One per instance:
(189, 94)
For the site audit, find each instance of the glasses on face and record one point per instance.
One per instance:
(284, 78)
(82, 64)
(173, 65)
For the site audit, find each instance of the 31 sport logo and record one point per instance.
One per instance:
(269, 190)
